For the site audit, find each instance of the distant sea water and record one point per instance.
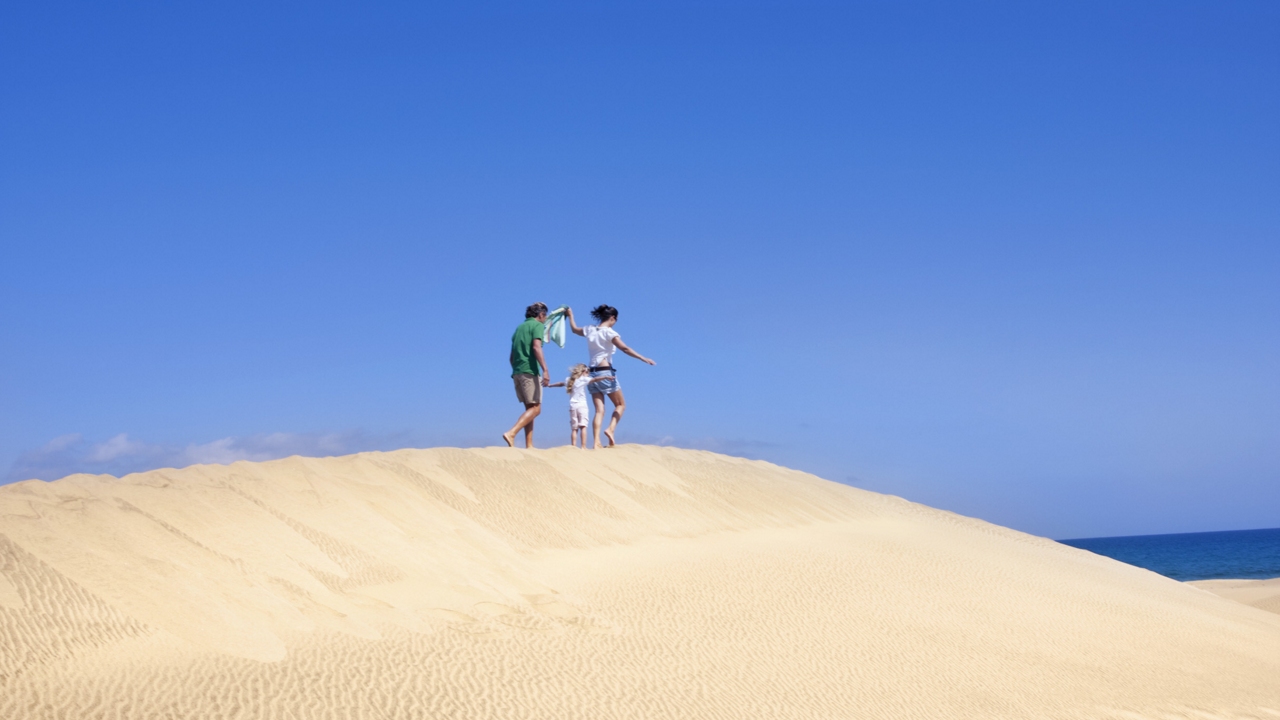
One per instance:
(1195, 556)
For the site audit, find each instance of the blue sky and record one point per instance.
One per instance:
(1016, 260)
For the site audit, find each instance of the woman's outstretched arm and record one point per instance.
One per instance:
(617, 342)
(568, 312)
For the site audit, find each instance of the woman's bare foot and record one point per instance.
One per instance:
(608, 434)
(511, 439)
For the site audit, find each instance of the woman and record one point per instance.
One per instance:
(602, 340)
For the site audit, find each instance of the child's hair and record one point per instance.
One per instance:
(604, 312)
(575, 372)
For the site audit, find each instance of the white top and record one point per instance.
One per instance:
(600, 344)
(578, 395)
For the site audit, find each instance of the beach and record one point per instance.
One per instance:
(637, 582)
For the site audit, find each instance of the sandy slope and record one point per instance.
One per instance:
(639, 582)
(1263, 594)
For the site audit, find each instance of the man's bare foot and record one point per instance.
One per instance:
(609, 435)
(511, 439)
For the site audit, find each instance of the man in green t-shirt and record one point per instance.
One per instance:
(528, 370)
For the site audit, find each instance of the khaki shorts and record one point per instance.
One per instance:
(528, 389)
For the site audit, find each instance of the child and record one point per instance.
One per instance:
(576, 386)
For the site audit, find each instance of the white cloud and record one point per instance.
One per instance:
(62, 442)
(218, 452)
(274, 445)
(119, 446)
(120, 455)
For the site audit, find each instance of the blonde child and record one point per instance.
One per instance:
(576, 386)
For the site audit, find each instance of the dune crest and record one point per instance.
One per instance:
(639, 582)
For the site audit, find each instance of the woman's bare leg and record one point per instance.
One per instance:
(619, 407)
(597, 399)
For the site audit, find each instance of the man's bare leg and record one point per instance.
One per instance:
(598, 400)
(619, 407)
(525, 419)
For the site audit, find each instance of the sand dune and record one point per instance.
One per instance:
(639, 582)
(1262, 594)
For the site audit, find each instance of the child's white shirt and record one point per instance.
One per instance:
(578, 396)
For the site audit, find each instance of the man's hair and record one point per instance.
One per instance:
(604, 312)
(535, 310)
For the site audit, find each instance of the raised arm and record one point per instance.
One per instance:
(568, 312)
(617, 342)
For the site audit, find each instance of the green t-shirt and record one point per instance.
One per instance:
(522, 358)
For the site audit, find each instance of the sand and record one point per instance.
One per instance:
(1262, 594)
(638, 582)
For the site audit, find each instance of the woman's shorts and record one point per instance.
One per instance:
(577, 416)
(606, 386)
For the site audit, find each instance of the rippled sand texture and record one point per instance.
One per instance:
(638, 582)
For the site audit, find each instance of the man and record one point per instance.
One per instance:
(528, 370)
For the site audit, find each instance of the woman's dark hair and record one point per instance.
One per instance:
(604, 312)
(535, 310)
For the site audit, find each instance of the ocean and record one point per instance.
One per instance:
(1195, 556)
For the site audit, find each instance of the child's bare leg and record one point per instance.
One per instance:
(619, 407)
(598, 400)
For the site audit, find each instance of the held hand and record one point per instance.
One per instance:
(546, 382)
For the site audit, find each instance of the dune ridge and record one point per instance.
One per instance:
(641, 582)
